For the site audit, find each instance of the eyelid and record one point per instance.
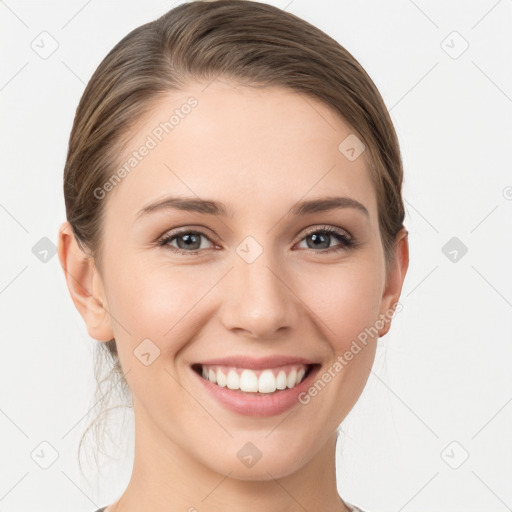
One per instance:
(189, 229)
(328, 228)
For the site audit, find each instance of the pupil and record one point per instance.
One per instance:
(189, 239)
(316, 238)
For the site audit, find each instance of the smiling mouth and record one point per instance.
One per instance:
(262, 381)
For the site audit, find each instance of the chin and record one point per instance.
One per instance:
(260, 459)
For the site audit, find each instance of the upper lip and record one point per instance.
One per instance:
(244, 361)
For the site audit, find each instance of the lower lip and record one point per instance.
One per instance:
(258, 404)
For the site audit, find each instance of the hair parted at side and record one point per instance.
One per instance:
(250, 43)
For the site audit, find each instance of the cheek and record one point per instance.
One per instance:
(345, 299)
(159, 302)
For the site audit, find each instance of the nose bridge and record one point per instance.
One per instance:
(260, 300)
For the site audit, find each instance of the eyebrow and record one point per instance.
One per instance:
(210, 207)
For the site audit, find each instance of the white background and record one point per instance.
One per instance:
(443, 373)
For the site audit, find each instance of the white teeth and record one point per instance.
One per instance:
(267, 382)
(233, 380)
(249, 382)
(291, 380)
(281, 380)
(221, 379)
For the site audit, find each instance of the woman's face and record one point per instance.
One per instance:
(247, 288)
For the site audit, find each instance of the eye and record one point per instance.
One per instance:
(188, 242)
(321, 239)
(317, 239)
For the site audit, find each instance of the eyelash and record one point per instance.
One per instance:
(347, 242)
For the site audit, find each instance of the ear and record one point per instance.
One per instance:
(84, 284)
(394, 281)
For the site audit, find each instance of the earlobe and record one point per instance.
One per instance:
(84, 284)
(394, 281)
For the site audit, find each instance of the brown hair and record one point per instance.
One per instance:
(248, 42)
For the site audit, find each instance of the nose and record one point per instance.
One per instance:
(258, 299)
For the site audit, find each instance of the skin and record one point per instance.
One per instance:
(259, 151)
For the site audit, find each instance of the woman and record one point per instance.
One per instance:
(235, 241)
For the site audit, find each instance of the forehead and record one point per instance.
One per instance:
(248, 147)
